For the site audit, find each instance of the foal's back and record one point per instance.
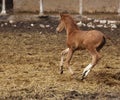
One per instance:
(92, 39)
(85, 39)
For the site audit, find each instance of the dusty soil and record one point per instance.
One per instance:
(29, 65)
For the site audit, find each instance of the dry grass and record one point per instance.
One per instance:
(29, 70)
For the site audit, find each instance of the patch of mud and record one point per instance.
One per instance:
(74, 95)
(117, 76)
(70, 95)
(107, 78)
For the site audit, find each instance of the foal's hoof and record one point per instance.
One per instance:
(82, 78)
(61, 72)
(83, 75)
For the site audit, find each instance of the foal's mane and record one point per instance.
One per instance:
(69, 21)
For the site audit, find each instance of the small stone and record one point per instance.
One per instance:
(79, 23)
(89, 19)
(83, 24)
(42, 26)
(96, 21)
(105, 26)
(11, 21)
(99, 26)
(32, 25)
(6, 23)
(89, 24)
(113, 26)
(40, 33)
(2, 25)
(47, 26)
(103, 21)
(15, 25)
(111, 22)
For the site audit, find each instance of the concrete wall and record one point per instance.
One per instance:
(90, 6)
(26, 5)
(109, 6)
(61, 5)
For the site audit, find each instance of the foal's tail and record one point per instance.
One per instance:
(101, 44)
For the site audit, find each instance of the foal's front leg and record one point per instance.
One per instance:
(68, 58)
(62, 59)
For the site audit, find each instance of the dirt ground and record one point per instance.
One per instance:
(29, 64)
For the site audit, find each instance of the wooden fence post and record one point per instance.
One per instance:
(3, 12)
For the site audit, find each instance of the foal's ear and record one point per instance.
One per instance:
(61, 15)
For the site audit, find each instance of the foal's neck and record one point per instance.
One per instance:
(70, 27)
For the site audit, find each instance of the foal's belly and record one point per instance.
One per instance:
(77, 46)
(81, 47)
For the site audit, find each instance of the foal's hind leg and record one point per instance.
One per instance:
(95, 57)
(62, 59)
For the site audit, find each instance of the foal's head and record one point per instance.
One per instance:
(61, 24)
(65, 21)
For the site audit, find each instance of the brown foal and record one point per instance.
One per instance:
(77, 39)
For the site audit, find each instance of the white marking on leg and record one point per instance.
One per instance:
(71, 70)
(87, 70)
(65, 51)
(62, 57)
(61, 62)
